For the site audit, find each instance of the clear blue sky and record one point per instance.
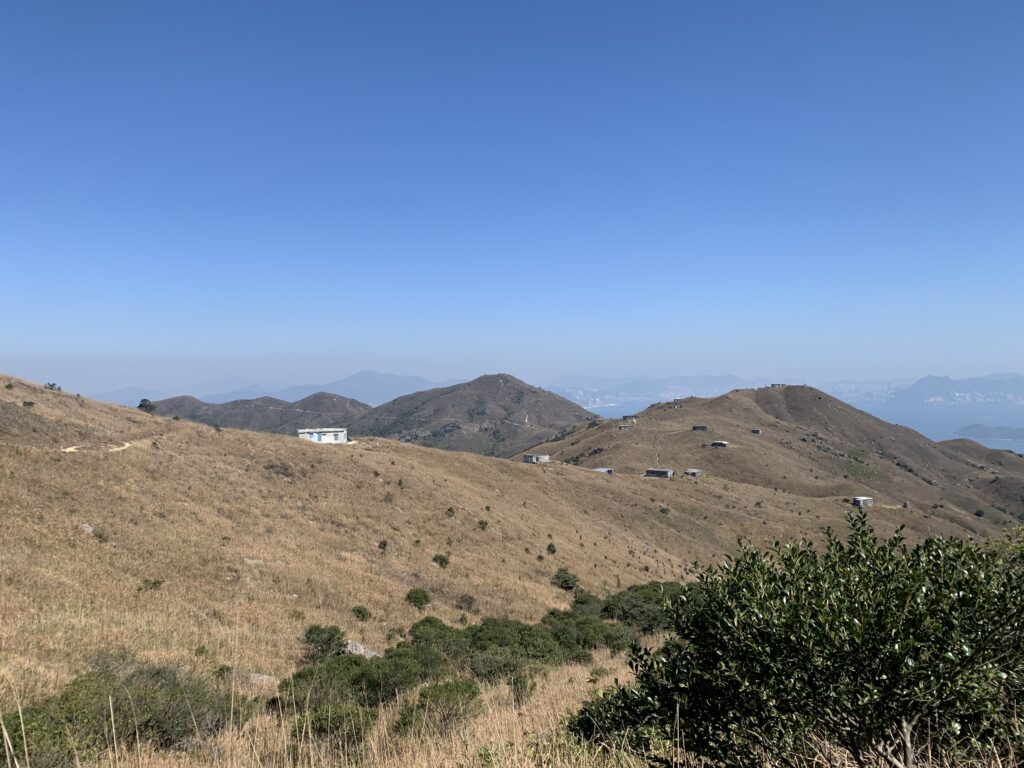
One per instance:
(291, 192)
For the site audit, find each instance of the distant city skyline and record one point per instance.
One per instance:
(796, 191)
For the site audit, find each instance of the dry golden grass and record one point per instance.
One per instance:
(203, 547)
(496, 733)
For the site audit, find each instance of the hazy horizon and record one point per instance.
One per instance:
(90, 377)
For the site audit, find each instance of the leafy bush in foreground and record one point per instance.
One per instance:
(161, 705)
(881, 649)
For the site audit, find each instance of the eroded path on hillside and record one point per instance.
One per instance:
(107, 447)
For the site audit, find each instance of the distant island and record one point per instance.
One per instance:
(986, 432)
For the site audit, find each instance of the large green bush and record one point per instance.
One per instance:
(643, 605)
(418, 598)
(321, 642)
(122, 700)
(884, 650)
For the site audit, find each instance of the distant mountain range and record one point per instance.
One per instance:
(369, 387)
(940, 407)
(937, 406)
(495, 415)
(984, 432)
(267, 414)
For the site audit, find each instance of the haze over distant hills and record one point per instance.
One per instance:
(940, 406)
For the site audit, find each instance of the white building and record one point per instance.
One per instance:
(536, 458)
(692, 472)
(604, 470)
(329, 435)
(863, 501)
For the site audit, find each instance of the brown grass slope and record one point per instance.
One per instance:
(494, 415)
(812, 445)
(267, 414)
(163, 537)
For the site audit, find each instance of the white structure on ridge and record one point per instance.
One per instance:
(329, 435)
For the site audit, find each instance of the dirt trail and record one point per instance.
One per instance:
(106, 447)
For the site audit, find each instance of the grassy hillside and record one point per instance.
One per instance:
(495, 415)
(126, 530)
(811, 445)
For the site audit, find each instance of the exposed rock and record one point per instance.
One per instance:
(358, 649)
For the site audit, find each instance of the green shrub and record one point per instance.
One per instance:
(441, 560)
(552, 548)
(438, 707)
(418, 598)
(522, 687)
(403, 667)
(352, 679)
(481, 524)
(162, 705)
(565, 579)
(643, 605)
(361, 612)
(885, 651)
(343, 725)
(587, 603)
(580, 633)
(321, 642)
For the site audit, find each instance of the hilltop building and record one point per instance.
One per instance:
(863, 501)
(656, 472)
(329, 435)
(692, 472)
(604, 470)
(536, 458)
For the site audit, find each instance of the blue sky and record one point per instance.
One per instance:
(291, 192)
